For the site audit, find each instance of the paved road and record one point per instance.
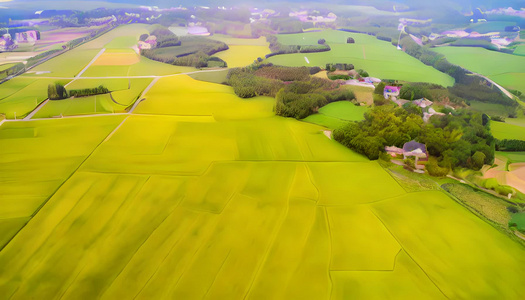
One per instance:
(91, 62)
(504, 90)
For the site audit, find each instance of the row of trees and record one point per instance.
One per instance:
(12, 70)
(278, 48)
(57, 91)
(510, 145)
(89, 91)
(460, 140)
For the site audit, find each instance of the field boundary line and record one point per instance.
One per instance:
(403, 248)
(157, 268)
(91, 62)
(331, 250)
(44, 203)
(275, 234)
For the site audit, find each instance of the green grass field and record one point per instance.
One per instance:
(519, 219)
(337, 114)
(26, 98)
(492, 109)
(201, 194)
(379, 58)
(507, 131)
(211, 76)
(4, 67)
(506, 69)
(520, 50)
(116, 102)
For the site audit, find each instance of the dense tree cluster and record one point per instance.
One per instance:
(303, 98)
(461, 140)
(298, 95)
(284, 73)
(165, 38)
(339, 66)
(56, 91)
(89, 91)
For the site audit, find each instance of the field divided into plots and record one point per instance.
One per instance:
(200, 194)
(379, 58)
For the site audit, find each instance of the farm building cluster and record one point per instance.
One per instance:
(9, 42)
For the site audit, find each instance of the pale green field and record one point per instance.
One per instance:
(200, 194)
(26, 99)
(505, 69)
(337, 114)
(379, 58)
(116, 102)
(68, 64)
(507, 131)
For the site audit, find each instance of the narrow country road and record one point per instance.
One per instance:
(91, 62)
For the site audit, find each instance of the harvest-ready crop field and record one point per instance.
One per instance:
(200, 194)
(242, 52)
(379, 58)
(505, 69)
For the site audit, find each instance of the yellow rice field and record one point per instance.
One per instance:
(200, 194)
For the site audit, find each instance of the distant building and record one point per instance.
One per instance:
(423, 103)
(393, 151)
(416, 150)
(391, 92)
(30, 36)
(431, 112)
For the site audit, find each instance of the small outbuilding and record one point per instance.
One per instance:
(415, 149)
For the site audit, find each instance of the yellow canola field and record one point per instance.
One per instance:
(242, 55)
(200, 194)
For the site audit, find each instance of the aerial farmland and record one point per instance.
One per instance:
(147, 162)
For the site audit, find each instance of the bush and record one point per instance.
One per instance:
(380, 100)
(336, 77)
(350, 40)
(315, 70)
(504, 190)
(321, 41)
(512, 209)
(435, 170)
(363, 73)
(380, 88)
(498, 119)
